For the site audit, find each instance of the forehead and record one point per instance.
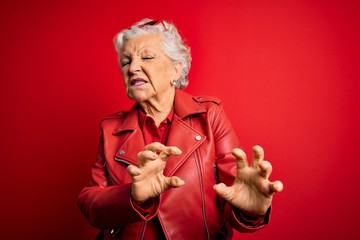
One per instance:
(141, 43)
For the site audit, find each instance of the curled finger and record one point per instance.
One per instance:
(155, 147)
(175, 182)
(258, 156)
(169, 151)
(133, 170)
(276, 186)
(224, 191)
(265, 169)
(240, 155)
(145, 156)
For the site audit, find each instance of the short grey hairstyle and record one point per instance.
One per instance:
(172, 43)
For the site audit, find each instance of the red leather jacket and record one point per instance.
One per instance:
(202, 131)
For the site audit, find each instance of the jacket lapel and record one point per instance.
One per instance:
(186, 139)
(131, 139)
(128, 151)
(181, 134)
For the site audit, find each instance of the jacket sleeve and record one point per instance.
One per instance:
(225, 141)
(107, 207)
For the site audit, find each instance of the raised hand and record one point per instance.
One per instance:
(251, 192)
(148, 180)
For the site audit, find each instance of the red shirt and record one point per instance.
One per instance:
(152, 133)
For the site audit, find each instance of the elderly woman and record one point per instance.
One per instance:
(169, 168)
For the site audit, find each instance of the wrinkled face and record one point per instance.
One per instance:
(147, 72)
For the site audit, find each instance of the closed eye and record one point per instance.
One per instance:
(124, 63)
(148, 58)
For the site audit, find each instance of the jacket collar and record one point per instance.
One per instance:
(130, 121)
(184, 105)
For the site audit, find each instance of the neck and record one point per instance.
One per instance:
(159, 109)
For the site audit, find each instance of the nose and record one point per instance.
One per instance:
(134, 66)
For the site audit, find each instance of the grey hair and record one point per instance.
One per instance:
(172, 43)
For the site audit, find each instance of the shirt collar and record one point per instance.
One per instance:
(143, 116)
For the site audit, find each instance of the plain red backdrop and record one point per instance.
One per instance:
(287, 72)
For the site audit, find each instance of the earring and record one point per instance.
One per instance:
(174, 83)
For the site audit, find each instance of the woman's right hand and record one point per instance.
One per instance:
(148, 180)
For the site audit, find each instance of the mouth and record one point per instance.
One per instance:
(137, 82)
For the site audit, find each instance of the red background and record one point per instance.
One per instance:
(287, 72)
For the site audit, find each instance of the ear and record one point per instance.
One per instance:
(178, 70)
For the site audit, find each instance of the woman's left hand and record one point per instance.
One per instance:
(251, 192)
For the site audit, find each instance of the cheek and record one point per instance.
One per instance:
(164, 73)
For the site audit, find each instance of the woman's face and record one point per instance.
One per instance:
(147, 72)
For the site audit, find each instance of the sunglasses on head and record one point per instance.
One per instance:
(153, 23)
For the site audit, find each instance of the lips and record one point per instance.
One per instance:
(137, 82)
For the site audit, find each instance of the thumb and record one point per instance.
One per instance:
(223, 191)
(175, 182)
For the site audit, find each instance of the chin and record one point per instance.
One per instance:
(138, 97)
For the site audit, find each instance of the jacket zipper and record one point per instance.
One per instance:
(216, 177)
(201, 190)
(143, 230)
(202, 196)
(122, 161)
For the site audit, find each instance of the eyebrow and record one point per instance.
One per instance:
(124, 54)
(141, 50)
